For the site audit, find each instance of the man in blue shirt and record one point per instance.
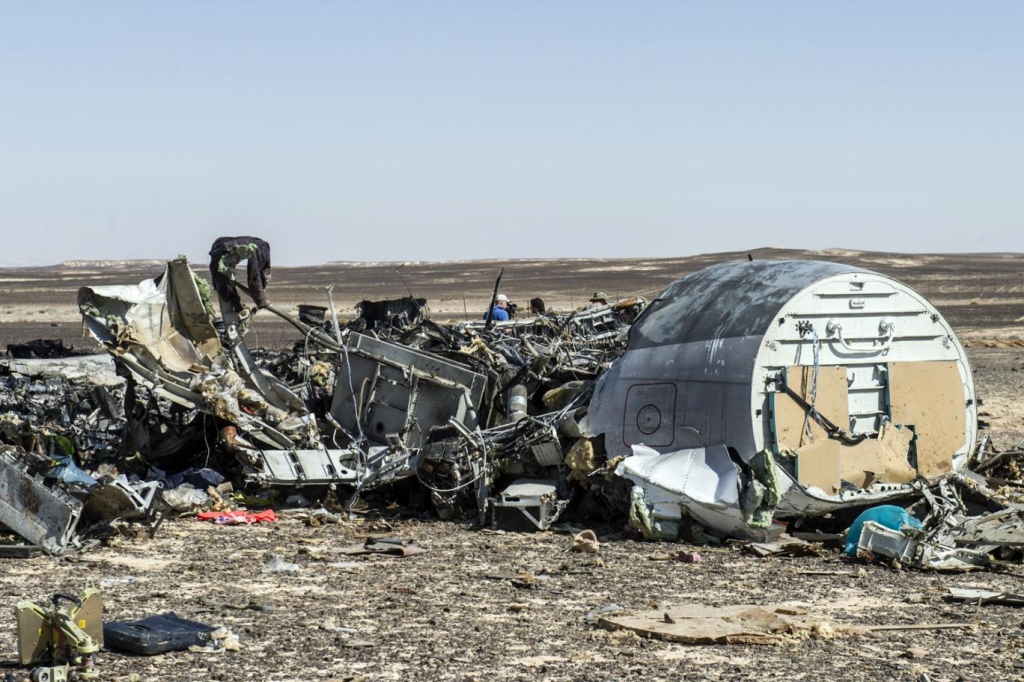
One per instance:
(500, 311)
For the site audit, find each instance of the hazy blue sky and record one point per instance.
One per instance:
(449, 130)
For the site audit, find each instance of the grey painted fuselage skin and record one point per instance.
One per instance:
(686, 378)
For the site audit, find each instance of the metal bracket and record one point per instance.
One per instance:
(886, 329)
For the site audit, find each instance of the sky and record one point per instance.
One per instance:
(411, 131)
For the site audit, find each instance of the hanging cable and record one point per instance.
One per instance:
(812, 412)
(361, 460)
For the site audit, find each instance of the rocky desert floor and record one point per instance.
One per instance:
(491, 605)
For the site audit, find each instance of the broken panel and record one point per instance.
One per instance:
(307, 467)
(930, 396)
(42, 515)
(400, 391)
(831, 401)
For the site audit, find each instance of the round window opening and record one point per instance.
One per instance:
(648, 419)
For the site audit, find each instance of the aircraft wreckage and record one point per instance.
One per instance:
(745, 394)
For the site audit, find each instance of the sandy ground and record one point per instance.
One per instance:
(982, 295)
(456, 613)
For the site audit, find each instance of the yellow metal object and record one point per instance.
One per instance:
(34, 632)
(67, 635)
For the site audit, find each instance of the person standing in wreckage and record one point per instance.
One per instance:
(226, 253)
(598, 300)
(500, 311)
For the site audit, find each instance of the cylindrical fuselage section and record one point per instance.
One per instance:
(707, 355)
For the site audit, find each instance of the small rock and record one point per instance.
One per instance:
(610, 608)
(915, 652)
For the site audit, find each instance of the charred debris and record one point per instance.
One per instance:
(761, 401)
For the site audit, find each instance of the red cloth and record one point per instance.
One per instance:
(232, 518)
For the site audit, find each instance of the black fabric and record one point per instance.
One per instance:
(229, 251)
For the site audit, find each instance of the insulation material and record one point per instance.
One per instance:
(580, 460)
(825, 463)
(831, 402)
(930, 397)
(878, 460)
(817, 465)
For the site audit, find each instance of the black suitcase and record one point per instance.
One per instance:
(156, 634)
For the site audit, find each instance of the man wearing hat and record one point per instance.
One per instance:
(597, 300)
(500, 311)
